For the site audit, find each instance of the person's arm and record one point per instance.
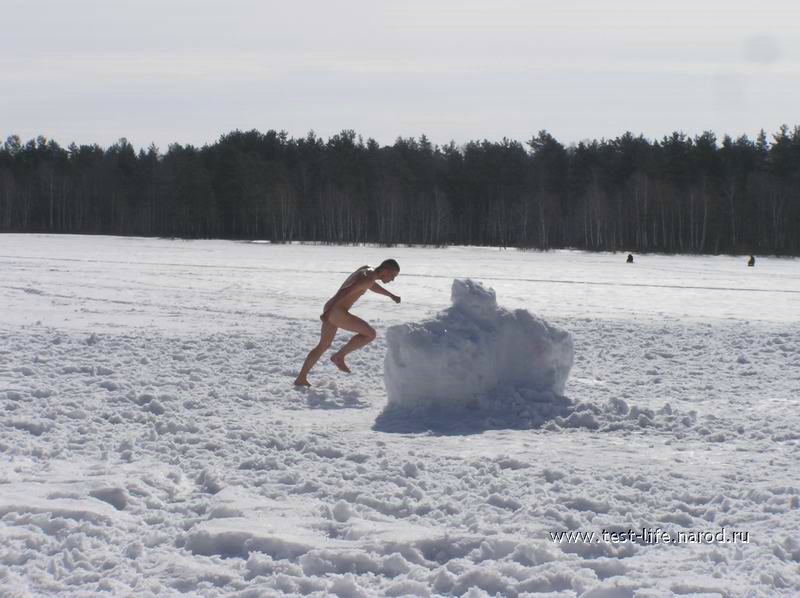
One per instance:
(376, 288)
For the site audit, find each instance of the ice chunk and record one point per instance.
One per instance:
(471, 350)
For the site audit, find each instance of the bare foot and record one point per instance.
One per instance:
(338, 361)
(302, 382)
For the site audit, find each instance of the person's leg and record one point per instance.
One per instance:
(326, 335)
(365, 334)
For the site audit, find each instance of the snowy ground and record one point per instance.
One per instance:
(151, 443)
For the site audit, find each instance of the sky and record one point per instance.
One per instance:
(187, 71)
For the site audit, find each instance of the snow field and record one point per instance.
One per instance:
(162, 452)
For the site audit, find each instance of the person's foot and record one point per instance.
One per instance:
(302, 382)
(338, 361)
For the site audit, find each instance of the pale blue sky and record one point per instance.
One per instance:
(187, 71)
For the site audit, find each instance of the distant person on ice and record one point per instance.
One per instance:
(336, 314)
(752, 261)
(630, 258)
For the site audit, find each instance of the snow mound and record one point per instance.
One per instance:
(474, 352)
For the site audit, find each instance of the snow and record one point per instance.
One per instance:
(151, 443)
(472, 350)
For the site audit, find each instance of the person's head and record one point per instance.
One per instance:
(388, 270)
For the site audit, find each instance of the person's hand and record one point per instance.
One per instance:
(395, 298)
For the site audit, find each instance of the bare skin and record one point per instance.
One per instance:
(336, 314)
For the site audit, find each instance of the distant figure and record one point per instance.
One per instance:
(336, 314)
(752, 261)
(630, 258)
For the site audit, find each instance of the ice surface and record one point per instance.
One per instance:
(474, 350)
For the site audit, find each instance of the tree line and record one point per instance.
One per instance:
(678, 194)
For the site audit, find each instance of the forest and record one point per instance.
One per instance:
(679, 194)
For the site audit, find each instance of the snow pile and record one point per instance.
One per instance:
(474, 354)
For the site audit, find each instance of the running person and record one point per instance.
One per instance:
(336, 314)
